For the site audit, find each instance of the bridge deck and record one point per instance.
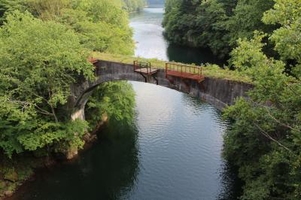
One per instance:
(186, 75)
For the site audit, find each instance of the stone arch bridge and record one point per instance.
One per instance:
(184, 78)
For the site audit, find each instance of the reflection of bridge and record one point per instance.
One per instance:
(185, 78)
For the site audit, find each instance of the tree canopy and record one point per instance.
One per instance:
(35, 81)
(44, 46)
(264, 139)
(134, 5)
(215, 24)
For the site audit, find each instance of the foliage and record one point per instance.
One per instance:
(197, 23)
(104, 26)
(216, 24)
(134, 5)
(35, 81)
(101, 25)
(116, 100)
(246, 18)
(7, 6)
(36, 75)
(47, 10)
(264, 140)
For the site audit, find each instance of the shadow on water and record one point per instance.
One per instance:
(106, 171)
(231, 183)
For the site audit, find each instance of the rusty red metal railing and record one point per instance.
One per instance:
(184, 71)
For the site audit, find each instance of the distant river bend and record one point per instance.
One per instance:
(150, 42)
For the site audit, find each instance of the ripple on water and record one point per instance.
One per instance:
(180, 142)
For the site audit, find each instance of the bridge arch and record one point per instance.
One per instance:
(217, 92)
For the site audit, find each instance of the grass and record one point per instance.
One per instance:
(209, 70)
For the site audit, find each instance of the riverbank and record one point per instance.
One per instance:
(14, 173)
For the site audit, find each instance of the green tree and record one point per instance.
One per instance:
(35, 83)
(112, 100)
(7, 6)
(264, 140)
(246, 18)
(46, 9)
(229, 6)
(287, 15)
(101, 25)
(134, 5)
(216, 24)
(172, 12)
(210, 26)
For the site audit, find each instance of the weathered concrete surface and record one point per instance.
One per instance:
(221, 93)
(217, 92)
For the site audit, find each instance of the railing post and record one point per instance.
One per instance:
(166, 69)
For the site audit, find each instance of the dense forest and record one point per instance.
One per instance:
(44, 48)
(214, 24)
(263, 41)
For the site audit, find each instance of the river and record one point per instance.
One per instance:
(171, 152)
(150, 43)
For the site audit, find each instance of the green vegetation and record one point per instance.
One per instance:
(35, 82)
(134, 5)
(112, 100)
(36, 75)
(214, 24)
(264, 140)
(44, 48)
